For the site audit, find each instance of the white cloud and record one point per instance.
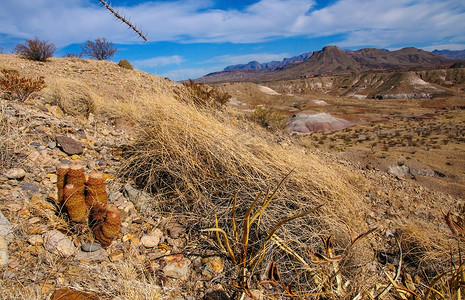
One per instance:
(361, 22)
(158, 61)
(239, 59)
(444, 47)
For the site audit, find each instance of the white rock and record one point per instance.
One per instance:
(177, 266)
(15, 173)
(58, 243)
(3, 251)
(5, 226)
(153, 239)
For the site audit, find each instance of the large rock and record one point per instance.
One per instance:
(3, 251)
(15, 173)
(69, 145)
(400, 171)
(177, 266)
(58, 243)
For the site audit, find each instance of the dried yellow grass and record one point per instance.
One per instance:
(73, 97)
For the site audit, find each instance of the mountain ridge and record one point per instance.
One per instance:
(332, 60)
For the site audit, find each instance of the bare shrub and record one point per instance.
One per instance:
(100, 49)
(35, 49)
(204, 96)
(16, 87)
(268, 118)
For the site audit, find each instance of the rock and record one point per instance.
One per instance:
(399, 171)
(140, 199)
(15, 173)
(94, 256)
(58, 243)
(52, 177)
(35, 240)
(153, 239)
(213, 266)
(117, 256)
(52, 145)
(29, 187)
(177, 266)
(90, 247)
(69, 146)
(3, 251)
(5, 226)
(55, 110)
(175, 230)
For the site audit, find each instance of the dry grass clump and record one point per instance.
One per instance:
(73, 97)
(194, 164)
(13, 142)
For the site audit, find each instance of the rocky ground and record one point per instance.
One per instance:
(33, 230)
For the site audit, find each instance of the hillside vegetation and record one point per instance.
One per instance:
(360, 233)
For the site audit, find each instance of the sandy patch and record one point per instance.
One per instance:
(320, 102)
(267, 90)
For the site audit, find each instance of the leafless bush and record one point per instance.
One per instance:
(35, 49)
(15, 87)
(100, 49)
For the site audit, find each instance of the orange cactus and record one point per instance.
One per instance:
(76, 176)
(107, 230)
(75, 202)
(96, 196)
(62, 172)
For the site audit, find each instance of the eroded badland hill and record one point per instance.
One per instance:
(286, 215)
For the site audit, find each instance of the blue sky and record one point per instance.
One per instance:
(188, 39)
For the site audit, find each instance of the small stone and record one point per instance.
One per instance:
(75, 157)
(52, 177)
(213, 266)
(33, 156)
(90, 247)
(52, 145)
(55, 110)
(3, 251)
(5, 226)
(35, 144)
(177, 266)
(35, 240)
(69, 145)
(175, 230)
(94, 256)
(58, 243)
(117, 256)
(15, 173)
(153, 239)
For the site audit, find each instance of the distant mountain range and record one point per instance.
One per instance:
(255, 65)
(460, 54)
(332, 60)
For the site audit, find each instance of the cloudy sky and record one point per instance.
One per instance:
(188, 39)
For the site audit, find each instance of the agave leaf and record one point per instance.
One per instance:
(226, 241)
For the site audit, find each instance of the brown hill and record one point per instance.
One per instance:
(332, 60)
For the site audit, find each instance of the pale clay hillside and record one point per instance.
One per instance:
(183, 177)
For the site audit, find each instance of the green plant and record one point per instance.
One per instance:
(100, 49)
(268, 118)
(16, 87)
(124, 63)
(35, 49)
(245, 248)
(205, 96)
